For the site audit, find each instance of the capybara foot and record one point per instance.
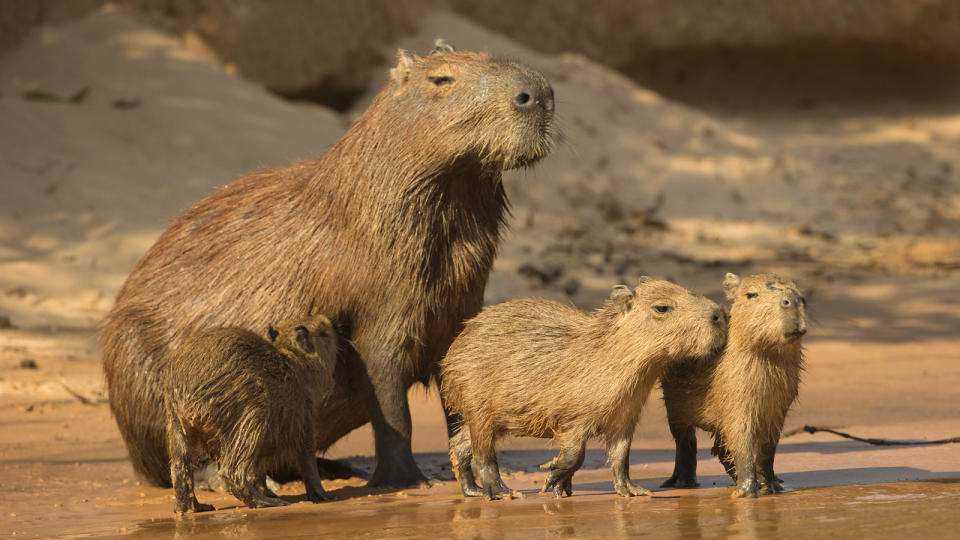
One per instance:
(473, 491)
(394, 475)
(627, 489)
(194, 506)
(267, 502)
(680, 483)
(559, 483)
(318, 496)
(745, 491)
(500, 493)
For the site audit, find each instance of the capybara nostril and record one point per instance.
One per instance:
(523, 100)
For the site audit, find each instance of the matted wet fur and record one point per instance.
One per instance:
(741, 395)
(251, 405)
(532, 367)
(392, 233)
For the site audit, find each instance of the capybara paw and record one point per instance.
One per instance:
(473, 491)
(267, 502)
(321, 496)
(630, 490)
(194, 506)
(680, 483)
(500, 495)
(429, 483)
(388, 477)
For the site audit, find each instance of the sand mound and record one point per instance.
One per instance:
(87, 186)
(638, 184)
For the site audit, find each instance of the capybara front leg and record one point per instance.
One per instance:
(619, 451)
(723, 454)
(560, 478)
(685, 460)
(746, 466)
(390, 417)
(181, 473)
(311, 475)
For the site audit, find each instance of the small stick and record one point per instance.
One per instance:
(880, 442)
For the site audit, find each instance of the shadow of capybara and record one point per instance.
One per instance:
(393, 231)
(741, 395)
(532, 367)
(249, 404)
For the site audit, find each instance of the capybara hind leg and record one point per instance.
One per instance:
(619, 450)
(461, 459)
(488, 470)
(685, 460)
(562, 467)
(390, 417)
(181, 475)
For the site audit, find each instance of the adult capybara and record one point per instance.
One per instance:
(741, 395)
(393, 232)
(249, 404)
(538, 368)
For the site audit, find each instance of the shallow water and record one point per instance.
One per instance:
(887, 510)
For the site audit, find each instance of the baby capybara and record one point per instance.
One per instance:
(741, 395)
(232, 396)
(532, 367)
(393, 231)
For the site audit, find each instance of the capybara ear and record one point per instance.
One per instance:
(442, 46)
(303, 339)
(622, 298)
(731, 282)
(272, 333)
(405, 60)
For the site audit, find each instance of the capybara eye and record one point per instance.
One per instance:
(785, 302)
(751, 295)
(439, 80)
(662, 309)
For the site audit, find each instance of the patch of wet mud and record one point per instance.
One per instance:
(889, 510)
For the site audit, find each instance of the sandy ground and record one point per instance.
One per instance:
(862, 206)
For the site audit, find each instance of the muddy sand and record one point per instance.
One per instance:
(861, 206)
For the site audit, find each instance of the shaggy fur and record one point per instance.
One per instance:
(538, 368)
(392, 233)
(741, 396)
(232, 396)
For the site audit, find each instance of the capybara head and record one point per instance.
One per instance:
(767, 309)
(674, 322)
(310, 337)
(471, 104)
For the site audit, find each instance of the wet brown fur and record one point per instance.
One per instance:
(251, 405)
(532, 367)
(392, 233)
(741, 395)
